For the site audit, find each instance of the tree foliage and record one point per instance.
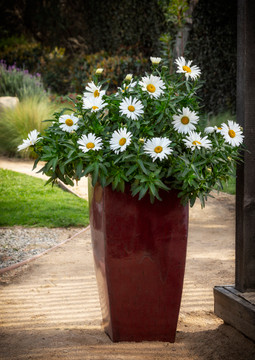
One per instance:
(85, 25)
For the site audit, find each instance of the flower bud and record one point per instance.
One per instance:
(155, 60)
(99, 71)
(141, 141)
(128, 77)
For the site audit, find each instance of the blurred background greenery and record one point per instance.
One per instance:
(49, 49)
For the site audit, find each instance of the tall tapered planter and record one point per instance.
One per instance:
(139, 252)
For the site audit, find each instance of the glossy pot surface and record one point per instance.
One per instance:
(139, 251)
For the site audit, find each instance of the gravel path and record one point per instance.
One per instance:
(18, 243)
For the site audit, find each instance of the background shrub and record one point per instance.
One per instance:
(66, 40)
(24, 53)
(85, 25)
(116, 67)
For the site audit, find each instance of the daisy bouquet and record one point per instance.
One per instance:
(146, 134)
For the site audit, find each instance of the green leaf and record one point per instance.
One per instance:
(62, 168)
(143, 191)
(131, 170)
(142, 166)
(152, 189)
(79, 169)
(54, 163)
(36, 162)
(88, 169)
(68, 181)
(95, 174)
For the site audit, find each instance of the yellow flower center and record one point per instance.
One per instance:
(219, 128)
(185, 120)
(69, 122)
(96, 93)
(158, 149)
(151, 88)
(187, 69)
(94, 107)
(231, 133)
(90, 145)
(195, 142)
(122, 141)
(131, 108)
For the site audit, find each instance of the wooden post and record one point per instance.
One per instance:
(236, 304)
(245, 196)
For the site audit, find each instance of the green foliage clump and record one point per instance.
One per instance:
(19, 83)
(192, 163)
(16, 123)
(24, 53)
(212, 42)
(25, 201)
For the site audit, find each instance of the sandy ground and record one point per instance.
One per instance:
(50, 307)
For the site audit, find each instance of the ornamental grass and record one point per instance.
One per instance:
(16, 123)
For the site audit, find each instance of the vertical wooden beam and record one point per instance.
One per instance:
(233, 304)
(245, 196)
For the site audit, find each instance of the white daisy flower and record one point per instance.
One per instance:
(120, 140)
(68, 123)
(155, 60)
(126, 87)
(153, 85)
(131, 107)
(31, 140)
(185, 67)
(185, 121)
(89, 142)
(218, 129)
(93, 103)
(232, 133)
(211, 129)
(194, 140)
(93, 91)
(158, 148)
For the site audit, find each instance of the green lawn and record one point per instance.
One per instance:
(230, 187)
(24, 200)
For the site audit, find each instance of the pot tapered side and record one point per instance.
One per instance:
(139, 252)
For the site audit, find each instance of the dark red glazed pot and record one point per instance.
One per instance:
(139, 252)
